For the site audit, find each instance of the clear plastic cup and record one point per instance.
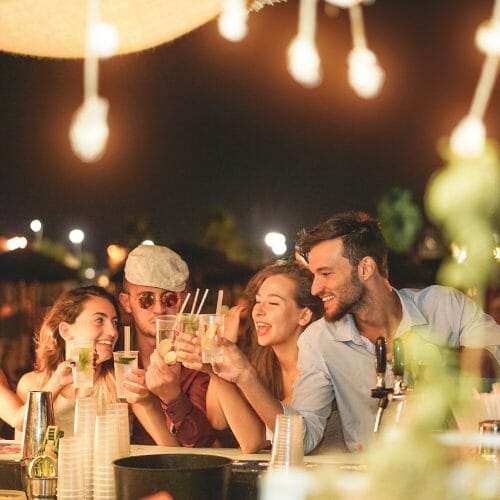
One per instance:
(210, 327)
(288, 447)
(187, 323)
(82, 353)
(165, 337)
(124, 362)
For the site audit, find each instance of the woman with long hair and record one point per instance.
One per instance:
(281, 305)
(86, 311)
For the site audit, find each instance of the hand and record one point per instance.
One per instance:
(62, 376)
(234, 364)
(135, 384)
(232, 323)
(188, 350)
(162, 379)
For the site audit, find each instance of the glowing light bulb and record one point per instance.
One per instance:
(304, 63)
(467, 140)
(232, 22)
(488, 37)
(103, 39)
(365, 75)
(279, 248)
(343, 3)
(273, 238)
(89, 129)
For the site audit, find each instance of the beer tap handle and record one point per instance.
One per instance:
(398, 360)
(380, 357)
(398, 366)
(380, 367)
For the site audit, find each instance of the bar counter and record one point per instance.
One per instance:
(246, 470)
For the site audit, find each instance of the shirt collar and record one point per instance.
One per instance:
(345, 329)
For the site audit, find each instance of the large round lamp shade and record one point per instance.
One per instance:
(56, 28)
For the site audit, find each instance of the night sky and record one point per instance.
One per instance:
(202, 121)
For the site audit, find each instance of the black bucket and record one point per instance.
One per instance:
(184, 476)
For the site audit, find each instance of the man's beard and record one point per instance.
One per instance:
(354, 296)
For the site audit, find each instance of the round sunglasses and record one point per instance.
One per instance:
(148, 299)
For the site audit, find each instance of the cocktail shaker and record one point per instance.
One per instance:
(39, 414)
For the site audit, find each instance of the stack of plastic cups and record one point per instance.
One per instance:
(120, 410)
(85, 415)
(106, 449)
(70, 469)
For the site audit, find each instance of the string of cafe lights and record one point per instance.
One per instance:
(89, 129)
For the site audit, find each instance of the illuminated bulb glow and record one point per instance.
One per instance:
(304, 63)
(459, 253)
(89, 273)
(343, 3)
(103, 39)
(89, 129)
(279, 248)
(35, 225)
(365, 75)
(496, 254)
(76, 236)
(274, 238)
(468, 138)
(148, 242)
(232, 22)
(16, 242)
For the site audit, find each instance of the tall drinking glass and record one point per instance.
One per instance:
(165, 337)
(125, 362)
(81, 352)
(211, 325)
(187, 323)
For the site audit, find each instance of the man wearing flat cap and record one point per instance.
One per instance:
(154, 282)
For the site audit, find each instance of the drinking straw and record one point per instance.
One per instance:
(126, 335)
(194, 300)
(202, 301)
(220, 296)
(184, 304)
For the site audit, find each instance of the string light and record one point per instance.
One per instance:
(365, 75)
(468, 138)
(232, 22)
(103, 39)
(304, 63)
(89, 129)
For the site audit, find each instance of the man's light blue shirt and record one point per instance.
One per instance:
(335, 361)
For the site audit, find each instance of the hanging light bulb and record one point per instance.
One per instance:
(103, 39)
(304, 63)
(232, 22)
(468, 138)
(488, 37)
(365, 75)
(89, 129)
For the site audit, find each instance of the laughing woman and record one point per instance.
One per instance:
(281, 307)
(83, 311)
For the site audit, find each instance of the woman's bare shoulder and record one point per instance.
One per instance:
(31, 381)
